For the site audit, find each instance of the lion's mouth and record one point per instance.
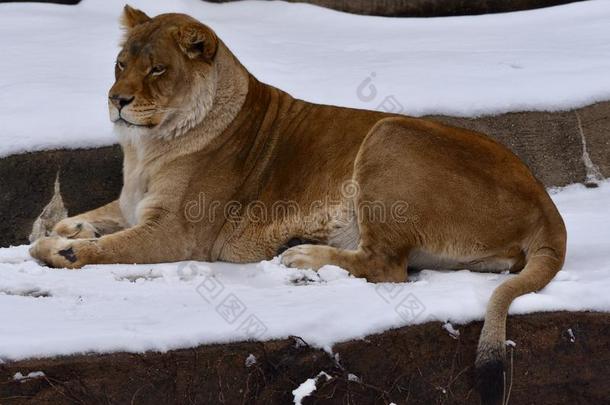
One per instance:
(123, 121)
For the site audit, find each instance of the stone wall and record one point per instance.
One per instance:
(550, 143)
(428, 8)
(559, 358)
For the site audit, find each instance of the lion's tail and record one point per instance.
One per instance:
(544, 259)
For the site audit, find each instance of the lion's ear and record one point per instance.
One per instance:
(197, 41)
(132, 17)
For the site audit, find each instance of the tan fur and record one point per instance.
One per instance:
(210, 135)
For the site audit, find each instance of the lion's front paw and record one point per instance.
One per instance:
(56, 251)
(73, 228)
(304, 257)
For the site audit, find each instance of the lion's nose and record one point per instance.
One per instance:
(120, 100)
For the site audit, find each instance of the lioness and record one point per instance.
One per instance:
(197, 128)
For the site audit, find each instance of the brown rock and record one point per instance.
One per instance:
(549, 143)
(89, 178)
(427, 8)
(420, 364)
(595, 120)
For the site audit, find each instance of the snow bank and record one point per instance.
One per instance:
(57, 61)
(104, 308)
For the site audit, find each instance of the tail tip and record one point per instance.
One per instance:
(490, 376)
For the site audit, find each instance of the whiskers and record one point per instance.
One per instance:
(167, 110)
(145, 110)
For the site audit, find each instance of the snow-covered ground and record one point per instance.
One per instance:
(57, 61)
(45, 312)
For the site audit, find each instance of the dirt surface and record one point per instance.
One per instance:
(427, 8)
(550, 143)
(559, 358)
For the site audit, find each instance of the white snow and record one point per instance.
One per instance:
(250, 360)
(106, 308)
(307, 388)
(57, 61)
(353, 377)
(31, 375)
(453, 332)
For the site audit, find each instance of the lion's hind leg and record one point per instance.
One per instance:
(386, 227)
(360, 263)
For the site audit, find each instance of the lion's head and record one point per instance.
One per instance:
(165, 74)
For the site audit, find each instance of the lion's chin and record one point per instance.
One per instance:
(132, 134)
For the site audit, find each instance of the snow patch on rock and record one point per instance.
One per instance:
(308, 387)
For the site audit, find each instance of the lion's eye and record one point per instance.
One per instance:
(157, 70)
(120, 65)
